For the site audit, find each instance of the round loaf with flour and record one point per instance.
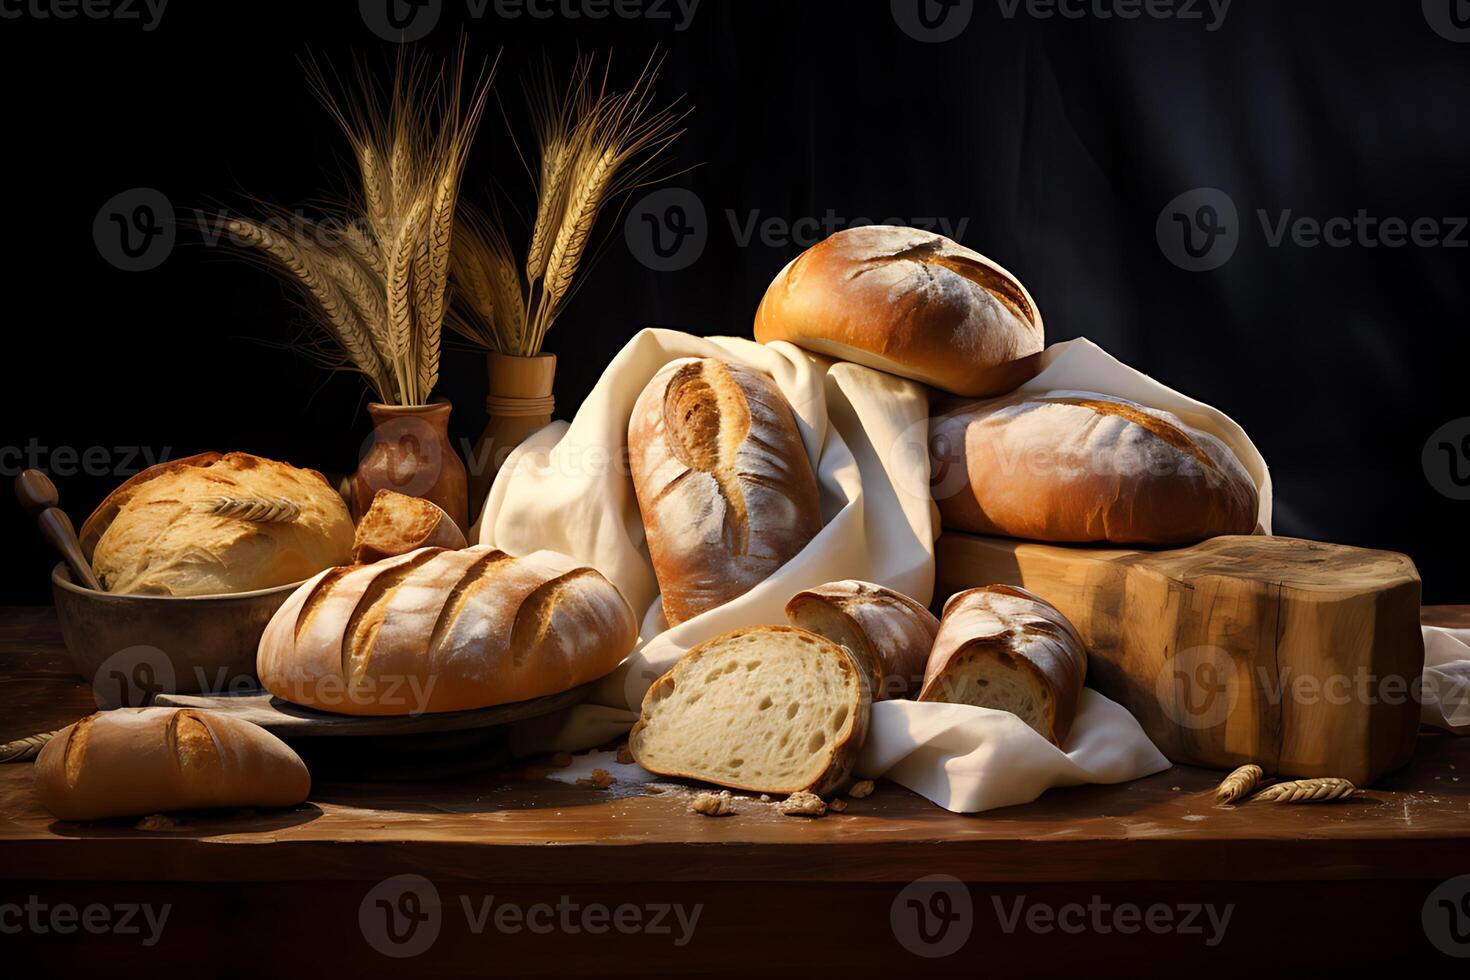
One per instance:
(1077, 466)
(908, 302)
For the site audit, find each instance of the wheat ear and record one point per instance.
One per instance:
(1322, 790)
(399, 328)
(257, 510)
(551, 193)
(1238, 784)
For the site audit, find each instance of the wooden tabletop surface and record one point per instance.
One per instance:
(519, 826)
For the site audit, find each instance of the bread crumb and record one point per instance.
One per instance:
(156, 821)
(765, 797)
(560, 760)
(625, 757)
(802, 804)
(837, 806)
(860, 790)
(719, 804)
(600, 779)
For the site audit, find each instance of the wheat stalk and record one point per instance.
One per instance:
(1238, 784)
(257, 510)
(1322, 790)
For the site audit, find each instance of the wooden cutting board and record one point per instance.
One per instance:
(1300, 656)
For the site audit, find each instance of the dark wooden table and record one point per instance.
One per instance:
(518, 874)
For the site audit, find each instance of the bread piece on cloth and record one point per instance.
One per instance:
(888, 633)
(438, 630)
(1005, 648)
(908, 302)
(1080, 466)
(770, 709)
(866, 434)
(185, 528)
(396, 524)
(723, 482)
(135, 761)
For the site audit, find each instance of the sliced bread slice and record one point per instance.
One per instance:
(769, 709)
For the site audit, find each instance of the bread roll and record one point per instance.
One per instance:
(438, 630)
(136, 761)
(216, 525)
(769, 709)
(1005, 648)
(888, 633)
(396, 524)
(908, 302)
(722, 479)
(1077, 466)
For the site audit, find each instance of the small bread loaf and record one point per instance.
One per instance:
(437, 630)
(888, 633)
(1076, 466)
(134, 761)
(1005, 648)
(723, 482)
(911, 303)
(216, 525)
(769, 709)
(396, 524)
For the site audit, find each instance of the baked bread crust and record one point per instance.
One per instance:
(911, 303)
(188, 528)
(138, 761)
(1078, 466)
(1003, 647)
(724, 486)
(888, 633)
(396, 524)
(438, 630)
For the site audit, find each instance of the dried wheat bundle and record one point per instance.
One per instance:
(593, 143)
(377, 277)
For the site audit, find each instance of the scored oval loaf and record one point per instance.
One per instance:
(396, 524)
(1005, 648)
(723, 482)
(1078, 466)
(888, 633)
(769, 709)
(437, 630)
(136, 761)
(908, 302)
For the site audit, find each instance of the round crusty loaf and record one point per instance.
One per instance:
(136, 761)
(216, 525)
(437, 630)
(769, 709)
(396, 524)
(1076, 466)
(888, 633)
(908, 302)
(723, 482)
(1005, 648)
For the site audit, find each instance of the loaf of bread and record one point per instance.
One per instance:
(1076, 466)
(769, 709)
(216, 525)
(396, 524)
(911, 303)
(437, 630)
(136, 761)
(1002, 647)
(888, 633)
(723, 482)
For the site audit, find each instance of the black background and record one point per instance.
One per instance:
(1055, 141)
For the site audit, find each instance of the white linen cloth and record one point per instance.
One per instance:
(567, 488)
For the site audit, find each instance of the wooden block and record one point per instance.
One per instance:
(1302, 657)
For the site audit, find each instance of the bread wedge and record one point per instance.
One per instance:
(769, 709)
(396, 524)
(889, 633)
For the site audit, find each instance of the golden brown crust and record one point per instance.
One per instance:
(97, 522)
(888, 633)
(910, 303)
(396, 524)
